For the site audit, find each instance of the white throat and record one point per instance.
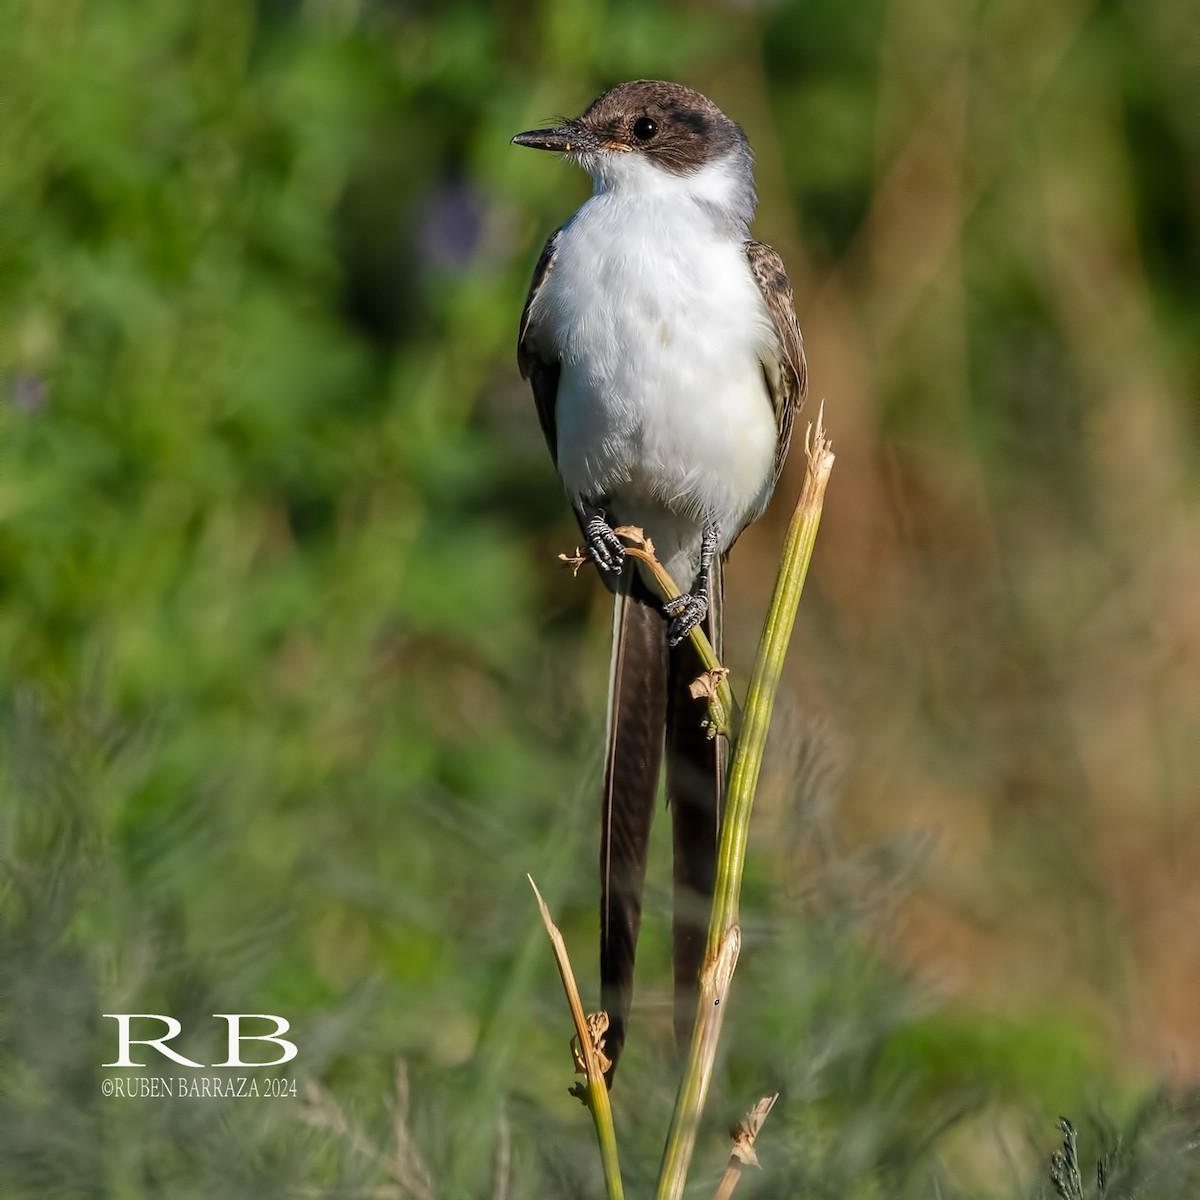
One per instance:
(724, 184)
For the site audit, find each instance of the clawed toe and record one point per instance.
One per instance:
(685, 613)
(672, 608)
(606, 550)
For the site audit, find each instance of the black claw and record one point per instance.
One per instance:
(685, 612)
(607, 550)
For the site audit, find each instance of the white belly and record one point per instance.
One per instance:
(662, 409)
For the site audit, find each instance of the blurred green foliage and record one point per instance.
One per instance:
(294, 695)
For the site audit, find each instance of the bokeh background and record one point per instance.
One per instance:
(294, 692)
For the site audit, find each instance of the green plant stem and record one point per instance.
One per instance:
(724, 932)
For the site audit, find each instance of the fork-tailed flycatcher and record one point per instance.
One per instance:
(667, 368)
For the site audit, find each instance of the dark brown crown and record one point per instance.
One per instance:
(676, 127)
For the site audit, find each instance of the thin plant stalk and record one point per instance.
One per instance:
(595, 1090)
(724, 931)
(723, 712)
(742, 1154)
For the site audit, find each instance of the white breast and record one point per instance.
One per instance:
(662, 408)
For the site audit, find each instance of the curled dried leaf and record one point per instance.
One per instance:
(597, 1027)
(635, 534)
(706, 686)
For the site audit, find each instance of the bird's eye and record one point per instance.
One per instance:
(644, 129)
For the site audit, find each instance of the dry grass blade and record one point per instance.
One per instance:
(502, 1165)
(595, 1092)
(404, 1165)
(744, 1134)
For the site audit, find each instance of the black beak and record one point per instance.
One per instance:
(566, 137)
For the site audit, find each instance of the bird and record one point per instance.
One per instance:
(667, 366)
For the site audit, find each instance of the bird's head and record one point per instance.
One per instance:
(652, 136)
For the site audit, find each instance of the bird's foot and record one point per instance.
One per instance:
(685, 613)
(604, 547)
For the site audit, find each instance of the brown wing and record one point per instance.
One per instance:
(537, 361)
(787, 377)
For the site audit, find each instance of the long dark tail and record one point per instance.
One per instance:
(637, 715)
(695, 792)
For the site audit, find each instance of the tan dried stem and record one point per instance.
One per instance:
(723, 712)
(742, 1153)
(594, 1092)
